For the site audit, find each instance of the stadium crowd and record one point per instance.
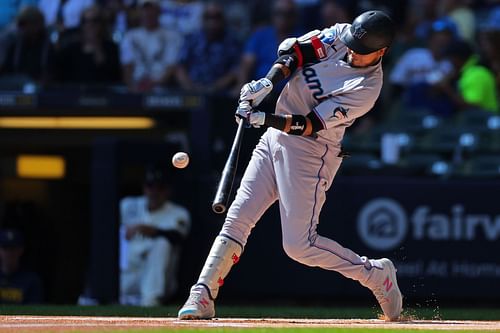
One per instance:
(445, 59)
(217, 46)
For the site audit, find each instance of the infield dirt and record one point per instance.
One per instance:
(68, 324)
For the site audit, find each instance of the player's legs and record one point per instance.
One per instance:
(130, 287)
(154, 274)
(256, 193)
(304, 171)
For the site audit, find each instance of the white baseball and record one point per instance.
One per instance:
(180, 160)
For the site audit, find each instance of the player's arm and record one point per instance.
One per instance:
(292, 54)
(329, 113)
(292, 124)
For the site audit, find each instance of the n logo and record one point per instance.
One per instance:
(204, 302)
(387, 284)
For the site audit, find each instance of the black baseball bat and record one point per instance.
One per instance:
(225, 186)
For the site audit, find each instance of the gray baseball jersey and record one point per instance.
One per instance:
(332, 85)
(297, 171)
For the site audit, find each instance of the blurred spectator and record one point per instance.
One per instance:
(30, 54)
(119, 15)
(93, 58)
(149, 52)
(219, 50)
(65, 14)
(10, 9)
(181, 16)
(237, 19)
(462, 15)
(489, 42)
(17, 285)
(476, 85)
(424, 13)
(62, 17)
(336, 11)
(261, 48)
(418, 68)
(152, 228)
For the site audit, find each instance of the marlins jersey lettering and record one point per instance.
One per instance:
(332, 85)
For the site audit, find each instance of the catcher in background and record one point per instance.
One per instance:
(335, 77)
(152, 228)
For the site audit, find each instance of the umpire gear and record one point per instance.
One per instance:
(371, 31)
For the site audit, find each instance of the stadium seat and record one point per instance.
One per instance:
(414, 120)
(477, 119)
(449, 139)
(481, 166)
(422, 163)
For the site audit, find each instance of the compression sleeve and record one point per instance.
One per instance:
(282, 68)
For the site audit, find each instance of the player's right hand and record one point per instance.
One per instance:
(254, 117)
(255, 91)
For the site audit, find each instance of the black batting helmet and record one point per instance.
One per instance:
(371, 31)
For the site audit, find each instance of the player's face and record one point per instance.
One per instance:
(364, 60)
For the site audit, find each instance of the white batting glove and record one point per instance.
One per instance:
(255, 91)
(256, 118)
(242, 111)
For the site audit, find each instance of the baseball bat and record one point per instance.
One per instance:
(225, 186)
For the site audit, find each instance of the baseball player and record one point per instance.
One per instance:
(151, 233)
(335, 76)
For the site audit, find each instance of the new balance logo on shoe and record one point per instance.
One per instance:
(387, 284)
(204, 302)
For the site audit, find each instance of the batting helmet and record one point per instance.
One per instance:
(371, 31)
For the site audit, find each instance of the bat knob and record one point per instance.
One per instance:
(218, 208)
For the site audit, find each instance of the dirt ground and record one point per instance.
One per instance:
(68, 324)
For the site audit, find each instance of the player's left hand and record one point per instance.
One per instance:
(255, 91)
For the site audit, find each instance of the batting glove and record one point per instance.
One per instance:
(242, 111)
(255, 91)
(256, 118)
(245, 111)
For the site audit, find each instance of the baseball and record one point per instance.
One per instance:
(180, 160)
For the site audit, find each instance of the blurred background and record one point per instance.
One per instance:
(95, 92)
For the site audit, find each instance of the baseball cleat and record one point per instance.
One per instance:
(386, 290)
(199, 304)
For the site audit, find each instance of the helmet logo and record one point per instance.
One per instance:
(359, 32)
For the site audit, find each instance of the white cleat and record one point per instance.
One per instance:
(384, 286)
(199, 304)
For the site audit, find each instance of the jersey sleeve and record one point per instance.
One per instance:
(172, 53)
(176, 218)
(129, 211)
(345, 107)
(183, 221)
(126, 50)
